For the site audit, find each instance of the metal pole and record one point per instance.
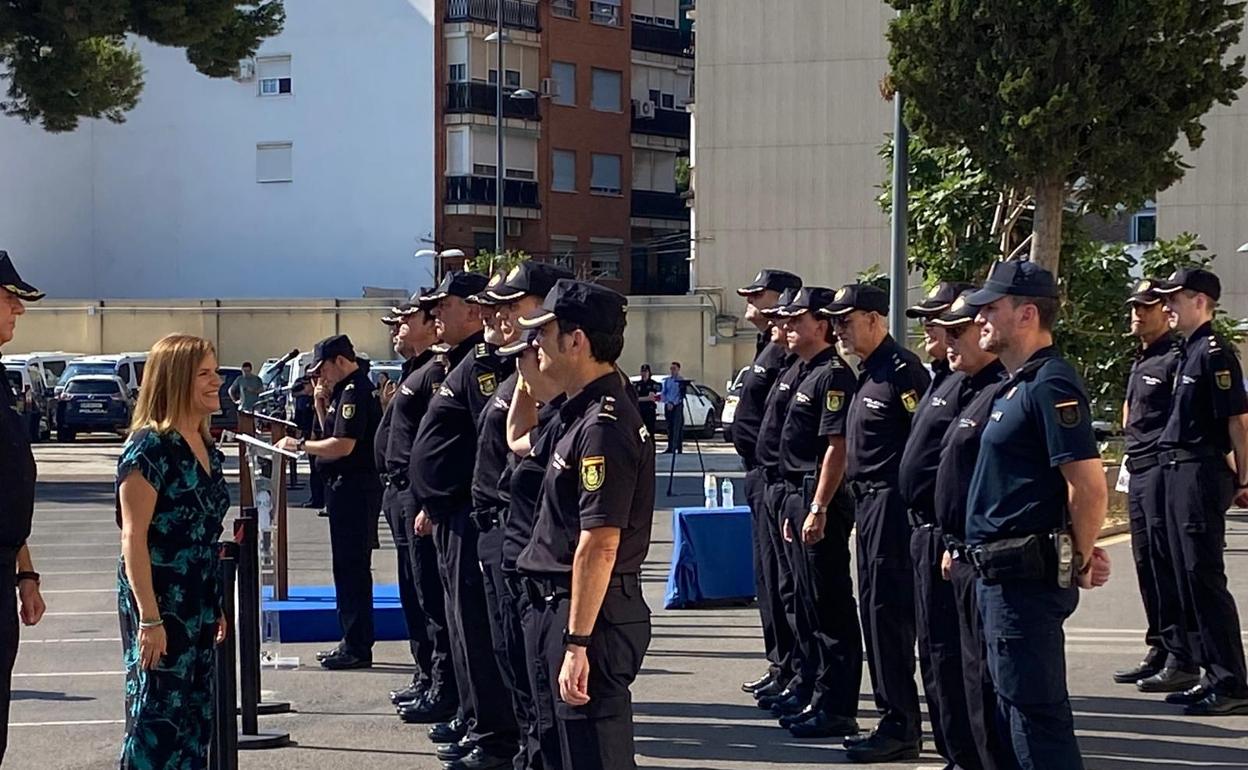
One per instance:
(498, 128)
(898, 273)
(225, 710)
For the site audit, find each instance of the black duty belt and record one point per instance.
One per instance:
(486, 519)
(396, 479)
(862, 489)
(920, 518)
(1177, 456)
(1141, 464)
(545, 588)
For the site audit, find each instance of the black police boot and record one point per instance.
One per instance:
(480, 759)
(345, 661)
(1152, 665)
(413, 692)
(788, 721)
(453, 751)
(759, 683)
(1217, 705)
(323, 654)
(765, 702)
(880, 748)
(790, 706)
(433, 709)
(1190, 696)
(766, 691)
(1169, 679)
(824, 725)
(448, 732)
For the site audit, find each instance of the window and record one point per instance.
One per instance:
(1144, 227)
(273, 162)
(484, 169)
(458, 152)
(606, 175)
(564, 173)
(563, 250)
(511, 79)
(658, 12)
(606, 91)
(457, 73)
(605, 12)
(483, 240)
(604, 258)
(564, 75)
(668, 102)
(273, 73)
(564, 8)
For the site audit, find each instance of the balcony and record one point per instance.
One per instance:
(665, 40)
(479, 191)
(481, 99)
(518, 14)
(670, 123)
(648, 204)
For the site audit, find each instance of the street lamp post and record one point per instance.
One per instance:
(500, 37)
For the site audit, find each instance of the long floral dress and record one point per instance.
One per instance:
(169, 707)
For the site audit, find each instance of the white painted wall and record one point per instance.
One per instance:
(167, 205)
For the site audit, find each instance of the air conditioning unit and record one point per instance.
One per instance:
(512, 228)
(549, 87)
(645, 110)
(246, 70)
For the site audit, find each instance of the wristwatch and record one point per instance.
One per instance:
(570, 638)
(302, 443)
(818, 509)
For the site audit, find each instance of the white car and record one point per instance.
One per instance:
(702, 407)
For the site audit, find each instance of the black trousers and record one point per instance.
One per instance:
(1155, 568)
(598, 735)
(1198, 495)
(886, 600)
(981, 696)
(418, 640)
(316, 484)
(826, 615)
(777, 635)
(477, 676)
(786, 599)
(353, 501)
(675, 427)
(507, 636)
(549, 747)
(9, 635)
(940, 651)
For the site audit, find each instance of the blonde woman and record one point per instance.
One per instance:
(171, 500)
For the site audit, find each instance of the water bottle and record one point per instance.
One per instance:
(710, 493)
(726, 494)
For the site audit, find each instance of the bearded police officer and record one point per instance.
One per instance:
(1208, 419)
(446, 445)
(981, 373)
(763, 293)
(593, 528)
(890, 385)
(1036, 503)
(936, 620)
(1168, 665)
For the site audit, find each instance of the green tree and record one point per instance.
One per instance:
(70, 59)
(487, 263)
(1074, 102)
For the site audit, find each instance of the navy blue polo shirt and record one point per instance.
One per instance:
(767, 450)
(890, 387)
(817, 411)
(757, 384)
(1208, 390)
(959, 447)
(917, 478)
(1150, 392)
(1040, 420)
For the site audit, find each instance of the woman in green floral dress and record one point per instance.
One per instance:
(171, 500)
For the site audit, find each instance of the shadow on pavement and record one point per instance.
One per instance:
(56, 697)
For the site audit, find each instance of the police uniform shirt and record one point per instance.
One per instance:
(890, 388)
(1208, 390)
(940, 372)
(524, 482)
(354, 412)
(1039, 421)
(446, 441)
(759, 379)
(1150, 391)
(601, 474)
(408, 406)
(767, 450)
(959, 448)
(939, 408)
(492, 449)
(817, 410)
(17, 472)
(644, 388)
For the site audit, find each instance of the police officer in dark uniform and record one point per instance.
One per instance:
(302, 392)
(816, 518)
(593, 528)
(1036, 503)
(353, 492)
(936, 621)
(1208, 420)
(763, 293)
(648, 390)
(980, 373)
(1150, 391)
(17, 501)
(890, 385)
(446, 444)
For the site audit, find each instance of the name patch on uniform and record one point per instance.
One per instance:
(406, 391)
(446, 392)
(802, 398)
(593, 473)
(1150, 380)
(1011, 393)
(1067, 413)
(996, 416)
(937, 401)
(348, 411)
(759, 370)
(487, 383)
(910, 400)
(1223, 379)
(835, 400)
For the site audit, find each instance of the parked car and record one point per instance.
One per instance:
(729, 414)
(94, 403)
(32, 399)
(702, 410)
(392, 369)
(51, 365)
(225, 418)
(126, 366)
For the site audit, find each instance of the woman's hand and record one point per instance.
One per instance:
(32, 606)
(221, 629)
(152, 646)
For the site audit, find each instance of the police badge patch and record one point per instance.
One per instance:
(1223, 379)
(487, 383)
(593, 473)
(835, 400)
(348, 411)
(1067, 413)
(910, 400)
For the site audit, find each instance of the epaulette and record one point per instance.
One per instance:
(350, 386)
(899, 363)
(483, 350)
(608, 409)
(441, 349)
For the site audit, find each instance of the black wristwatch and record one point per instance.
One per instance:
(573, 639)
(28, 575)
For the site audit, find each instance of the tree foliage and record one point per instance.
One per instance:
(70, 59)
(486, 262)
(1073, 101)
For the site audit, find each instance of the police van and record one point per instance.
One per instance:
(32, 398)
(127, 366)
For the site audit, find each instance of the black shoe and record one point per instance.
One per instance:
(1169, 680)
(759, 683)
(790, 706)
(323, 654)
(345, 661)
(1143, 670)
(1189, 697)
(479, 759)
(824, 725)
(448, 732)
(880, 748)
(767, 701)
(774, 688)
(458, 750)
(788, 721)
(413, 692)
(1217, 705)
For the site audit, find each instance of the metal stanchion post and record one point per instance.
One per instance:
(225, 675)
(250, 737)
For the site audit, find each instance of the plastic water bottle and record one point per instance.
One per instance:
(710, 492)
(725, 494)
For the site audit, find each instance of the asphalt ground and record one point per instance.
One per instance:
(67, 690)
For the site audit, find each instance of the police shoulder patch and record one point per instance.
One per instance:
(348, 411)
(1068, 413)
(910, 400)
(593, 472)
(483, 350)
(1223, 379)
(487, 383)
(835, 400)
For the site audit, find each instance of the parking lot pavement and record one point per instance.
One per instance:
(67, 710)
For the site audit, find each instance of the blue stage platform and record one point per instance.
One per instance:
(311, 614)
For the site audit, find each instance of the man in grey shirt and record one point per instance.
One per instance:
(245, 391)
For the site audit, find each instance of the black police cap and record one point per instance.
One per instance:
(11, 282)
(458, 283)
(771, 280)
(588, 305)
(938, 299)
(1145, 293)
(857, 296)
(808, 298)
(528, 338)
(1015, 278)
(536, 278)
(960, 311)
(483, 297)
(398, 314)
(786, 297)
(331, 347)
(420, 299)
(1190, 278)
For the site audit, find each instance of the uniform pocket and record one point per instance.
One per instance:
(1029, 669)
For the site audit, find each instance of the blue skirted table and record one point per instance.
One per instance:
(712, 557)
